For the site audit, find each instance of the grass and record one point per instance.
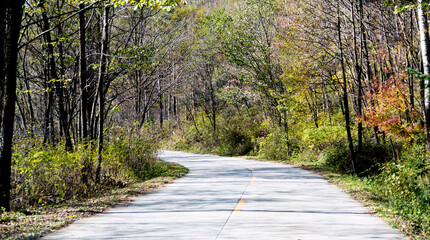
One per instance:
(39, 221)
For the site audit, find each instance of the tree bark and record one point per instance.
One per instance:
(160, 99)
(425, 54)
(11, 14)
(213, 103)
(83, 87)
(345, 95)
(100, 89)
(83, 72)
(359, 70)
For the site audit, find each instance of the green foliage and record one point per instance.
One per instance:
(133, 158)
(336, 157)
(155, 4)
(45, 174)
(240, 133)
(274, 146)
(236, 135)
(323, 136)
(405, 189)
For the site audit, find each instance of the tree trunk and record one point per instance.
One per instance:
(48, 122)
(11, 15)
(100, 89)
(83, 72)
(53, 76)
(83, 86)
(359, 69)
(160, 99)
(345, 95)
(213, 104)
(2, 59)
(425, 54)
(409, 57)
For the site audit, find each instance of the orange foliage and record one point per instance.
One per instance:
(388, 108)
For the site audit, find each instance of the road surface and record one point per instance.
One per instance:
(233, 198)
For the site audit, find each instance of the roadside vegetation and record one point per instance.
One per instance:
(79, 86)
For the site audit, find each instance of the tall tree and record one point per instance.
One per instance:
(101, 86)
(54, 77)
(425, 54)
(83, 71)
(345, 92)
(10, 24)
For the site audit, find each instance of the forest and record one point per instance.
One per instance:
(91, 90)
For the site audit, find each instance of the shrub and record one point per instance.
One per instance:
(323, 136)
(372, 156)
(405, 187)
(337, 158)
(47, 174)
(44, 174)
(274, 146)
(131, 159)
(368, 160)
(235, 141)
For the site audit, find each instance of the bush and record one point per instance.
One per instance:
(372, 156)
(235, 141)
(274, 146)
(320, 138)
(368, 161)
(337, 158)
(43, 174)
(404, 186)
(129, 159)
(235, 135)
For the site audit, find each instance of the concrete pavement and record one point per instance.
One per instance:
(232, 198)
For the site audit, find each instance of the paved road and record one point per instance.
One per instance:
(231, 198)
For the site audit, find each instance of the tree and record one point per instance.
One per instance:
(10, 24)
(345, 92)
(248, 40)
(52, 62)
(425, 55)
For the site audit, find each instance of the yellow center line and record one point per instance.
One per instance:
(239, 206)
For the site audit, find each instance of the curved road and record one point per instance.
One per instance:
(232, 198)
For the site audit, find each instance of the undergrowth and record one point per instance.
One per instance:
(49, 174)
(52, 187)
